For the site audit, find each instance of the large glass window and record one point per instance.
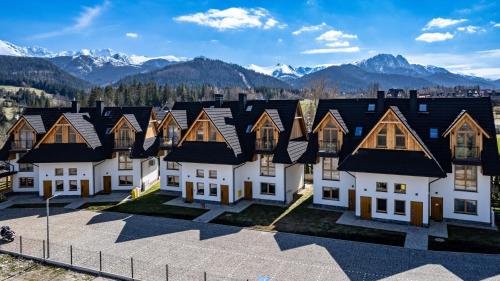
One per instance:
(381, 205)
(330, 193)
(466, 136)
(466, 178)
(124, 161)
(267, 167)
(172, 166)
(172, 133)
(466, 206)
(25, 167)
(125, 180)
(267, 188)
(330, 171)
(400, 138)
(212, 133)
(71, 135)
(26, 182)
(173, 181)
(58, 135)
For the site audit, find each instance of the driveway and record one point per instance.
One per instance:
(232, 253)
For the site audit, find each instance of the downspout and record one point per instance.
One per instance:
(93, 174)
(284, 185)
(234, 180)
(354, 179)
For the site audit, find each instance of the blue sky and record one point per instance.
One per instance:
(463, 36)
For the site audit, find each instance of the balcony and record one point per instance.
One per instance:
(123, 143)
(466, 153)
(330, 147)
(21, 145)
(166, 142)
(265, 145)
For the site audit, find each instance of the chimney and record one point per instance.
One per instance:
(75, 106)
(242, 101)
(99, 105)
(413, 101)
(380, 101)
(218, 100)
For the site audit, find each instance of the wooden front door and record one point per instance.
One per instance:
(106, 180)
(47, 189)
(366, 208)
(189, 192)
(84, 187)
(248, 190)
(437, 208)
(352, 200)
(224, 194)
(417, 213)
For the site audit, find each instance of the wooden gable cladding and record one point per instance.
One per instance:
(168, 120)
(265, 120)
(329, 119)
(391, 123)
(299, 125)
(64, 127)
(151, 132)
(22, 126)
(123, 131)
(202, 130)
(465, 120)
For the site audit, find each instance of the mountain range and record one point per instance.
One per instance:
(105, 66)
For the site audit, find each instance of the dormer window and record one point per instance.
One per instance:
(25, 138)
(171, 134)
(371, 107)
(124, 137)
(466, 143)
(330, 138)
(400, 138)
(382, 137)
(212, 133)
(200, 133)
(71, 136)
(58, 135)
(267, 139)
(422, 107)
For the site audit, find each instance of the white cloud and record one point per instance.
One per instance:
(495, 24)
(338, 44)
(131, 35)
(83, 21)
(331, 50)
(335, 35)
(434, 37)
(233, 18)
(310, 28)
(470, 29)
(442, 23)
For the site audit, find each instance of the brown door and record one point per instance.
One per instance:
(224, 194)
(417, 213)
(189, 192)
(366, 208)
(437, 208)
(84, 187)
(106, 180)
(248, 190)
(47, 189)
(352, 200)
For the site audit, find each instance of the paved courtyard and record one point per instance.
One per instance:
(233, 253)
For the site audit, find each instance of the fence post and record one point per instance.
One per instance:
(100, 261)
(43, 248)
(166, 271)
(71, 254)
(132, 267)
(21, 245)
(205, 276)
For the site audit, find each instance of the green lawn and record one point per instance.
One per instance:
(150, 203)
(298, 218)
(464, 239)
(498, 143)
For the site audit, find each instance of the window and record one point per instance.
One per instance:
(172, 132)
(400, 138)
(212, 174)
(172, 166)
(371, 107)
(330, 136)
(382, 137)
(213, 189)
(212, 133)
(267, 188)
(58, 135)
(200, 188)
(433, 133)
(249, 108)
(330, 171)
(399, 207)
(381, 186)
(267, 135)
(25, 167)
(199, 133)
(71, 135)
(173, 181)
(358, 131)
(125, 180)
(381, 205)
(267, 167)
(466, 178)
(466, 206)
(125, 136)
(466, 136)
(72, 171)
(73, 185)
(330, 193)
(124, 161)
(422, 107)
(59, 185)
(26, 182)
(400, 188)
(59, 172)
(200, 173)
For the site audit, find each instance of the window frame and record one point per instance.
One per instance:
(210, 175)
(26, 180)
(466, 187)
(332, 191)
(266, 165)
(26, 167)
(433, 133)
(125, 164)
(401, 184)
(70, 171)
(126, 181)
(200, 186)
(57, 183)
(72, 183)
(172, 165)
(331, 172)
(395, 207)
(382, 135)
(71, 135)
(211, 186)
(56, 172)
(399, 136)
(268, 188)
(58, 134)
(379, 183)
(465, 211)
(377, 205)
(176, 181)
(200, 173)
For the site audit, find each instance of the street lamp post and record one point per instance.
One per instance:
(48, 236)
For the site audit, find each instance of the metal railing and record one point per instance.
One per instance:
(20, 145)
(328, 146)
(169, 141)
(265, 144)
(466, 153)
(124, 143)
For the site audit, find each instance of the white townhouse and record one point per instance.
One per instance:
(82, 151)
(406, 160)
(226, 151)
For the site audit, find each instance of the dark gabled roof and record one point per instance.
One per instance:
(61, 153)
(36, 122)
(131, 119)
(82, 123)
(223, 120)
(275, 117)
(339, 119)
(204, 152)
(296, 149)
(181, 118)
(396, 162)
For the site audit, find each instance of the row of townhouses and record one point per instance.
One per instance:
(407, 160)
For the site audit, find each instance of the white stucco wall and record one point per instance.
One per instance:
(46, 171)
(345, 183)
(15, 177)
(224, 177)
(445, 188)
(294, 176)
(150, 172)
(164, 173)
(109, 167)
(416, 190)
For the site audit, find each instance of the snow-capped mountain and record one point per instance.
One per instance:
(389, 64)
(9, 49)
(283, 71)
